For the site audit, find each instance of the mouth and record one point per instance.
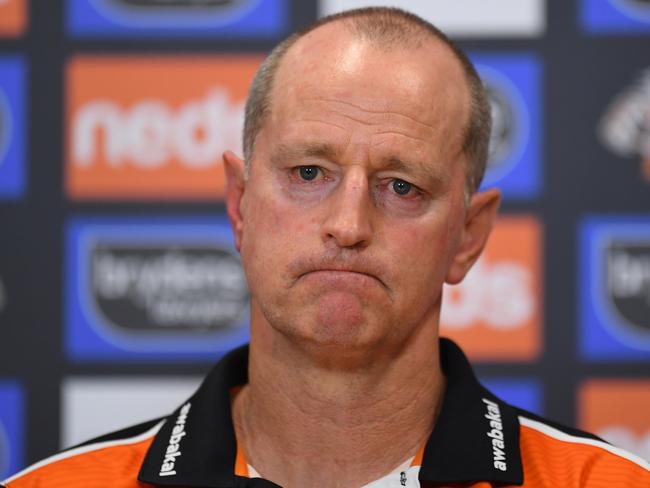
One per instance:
(339, 276)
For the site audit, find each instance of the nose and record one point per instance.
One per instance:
(348, 215)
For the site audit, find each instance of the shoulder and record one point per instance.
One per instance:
(113, 458)
(555, 455)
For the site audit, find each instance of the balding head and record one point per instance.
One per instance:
(385, 29)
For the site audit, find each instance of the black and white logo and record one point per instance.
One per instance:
(501, 136)
(627, 273)
(625, 127)
(159, 288)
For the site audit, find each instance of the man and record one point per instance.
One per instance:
(365, 141)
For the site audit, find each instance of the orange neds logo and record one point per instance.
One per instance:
(13, 17)
(153, 127)
(495, 313)
(617, 411)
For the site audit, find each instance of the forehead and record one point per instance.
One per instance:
(332, 75)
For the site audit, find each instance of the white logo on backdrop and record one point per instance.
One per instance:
(499, 294)
(150, 133)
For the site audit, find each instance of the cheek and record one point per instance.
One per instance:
(421, 254)
(273, 229)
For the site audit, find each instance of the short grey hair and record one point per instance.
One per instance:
(387, 27)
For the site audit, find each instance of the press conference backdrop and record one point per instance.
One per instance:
(119, 283)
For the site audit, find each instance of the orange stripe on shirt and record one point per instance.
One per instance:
(549, 461)
(115, 466)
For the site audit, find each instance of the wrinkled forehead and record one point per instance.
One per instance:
(425, 83)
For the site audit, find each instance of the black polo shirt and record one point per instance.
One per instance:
(459, 450)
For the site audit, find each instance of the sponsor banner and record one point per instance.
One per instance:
(177, 18)
(625, 127)
(13, 117)
(522, 393)
(495, 313)
(615, 16)
(513, 83)
(13, 17)
(615, 288)
(153, 289)
(95, 406)
(153, 127)
(11, 428)
(465, 18)
(617, 411)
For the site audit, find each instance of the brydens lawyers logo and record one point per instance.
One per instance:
(615, 275)
(617, 410)
(13, 17)
(495, 313)
(153, 288)
(158, 286)
(625, 127)
(153, 128)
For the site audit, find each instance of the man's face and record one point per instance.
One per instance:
(353, 211)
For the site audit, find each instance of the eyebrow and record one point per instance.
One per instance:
(297, 151)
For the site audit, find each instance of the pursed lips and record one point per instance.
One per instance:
(342, 273)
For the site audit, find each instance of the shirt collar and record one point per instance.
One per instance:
(462, 446)
(209, 448)
(472, 425)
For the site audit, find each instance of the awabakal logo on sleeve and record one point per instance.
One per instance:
(153, 288)
(153, 127)
(495, 313)
(617, 411)
(615, 288)
(13, 17)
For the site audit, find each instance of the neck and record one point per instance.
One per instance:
(336, 426)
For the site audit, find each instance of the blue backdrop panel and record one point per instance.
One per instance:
(132, 18)
(102, 316)
(13, 123)
(614, 282)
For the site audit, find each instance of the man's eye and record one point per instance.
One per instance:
(308, 173)
(401, 187)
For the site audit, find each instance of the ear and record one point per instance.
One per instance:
(479, 219)
(235, 184)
